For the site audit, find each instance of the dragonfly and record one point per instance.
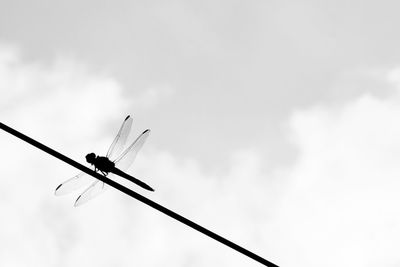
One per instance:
(116, 162)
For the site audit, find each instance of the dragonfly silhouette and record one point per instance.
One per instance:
(116, 162)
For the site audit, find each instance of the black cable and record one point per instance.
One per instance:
(138, 196)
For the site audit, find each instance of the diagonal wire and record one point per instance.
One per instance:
(137, 196)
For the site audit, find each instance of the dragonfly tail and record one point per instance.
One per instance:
(132, 179)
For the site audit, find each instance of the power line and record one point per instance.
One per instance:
(137, 196)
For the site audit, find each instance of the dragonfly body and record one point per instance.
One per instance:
(116, 162)
(103, 164)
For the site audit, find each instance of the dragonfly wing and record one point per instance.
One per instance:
(125, 160)
(72, 184)
(119, 141)
(95, 189)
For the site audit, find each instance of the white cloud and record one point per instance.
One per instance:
(341, 207)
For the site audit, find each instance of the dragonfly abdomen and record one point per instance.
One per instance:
(131, 178)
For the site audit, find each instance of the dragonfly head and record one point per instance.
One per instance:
(90, 158)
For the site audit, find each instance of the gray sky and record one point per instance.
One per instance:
(249, 64)
(272, 123)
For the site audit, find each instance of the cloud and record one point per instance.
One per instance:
(341, 205)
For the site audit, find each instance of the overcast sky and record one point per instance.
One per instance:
(274, 124)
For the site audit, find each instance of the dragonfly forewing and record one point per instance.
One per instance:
(118, 144)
